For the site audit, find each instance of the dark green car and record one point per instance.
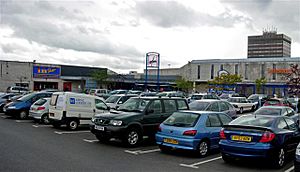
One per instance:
(137, 117)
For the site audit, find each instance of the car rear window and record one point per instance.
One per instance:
(268, 111)
(254, 120)
(53, 100)
(182, 119)
(198, 105)
(196, 97)
(40, 102)
(273, 102)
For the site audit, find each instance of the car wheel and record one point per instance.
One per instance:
(164, 149)
(203, 148)
(102, 138)
(56, 125)
(241, 110)
(132, 137)
(45, 119)
(23, 115)
(72, 124)
(226, 158)
(279, 158)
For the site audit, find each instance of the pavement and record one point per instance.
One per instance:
(27, 146)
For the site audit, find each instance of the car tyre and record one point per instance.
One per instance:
(241, 110)
(203, 148)
(23, 115)
(279, 158)
(102, 138)
(164, 149)
(132, 137)
(227, 159)
(72, 124)
(45, 119)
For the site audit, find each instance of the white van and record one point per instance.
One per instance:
(73, 109)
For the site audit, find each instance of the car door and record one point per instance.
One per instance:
(213, 125)
(224, 108)
(169, 107)
(294, 136)
(152, 117)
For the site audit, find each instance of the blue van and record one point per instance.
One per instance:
(20, 107)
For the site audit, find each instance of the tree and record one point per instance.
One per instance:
(260, 82)
(184, 84)
(293, 80)
(224, 81)
(100, 76)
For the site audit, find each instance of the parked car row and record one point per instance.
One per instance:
(271, 132)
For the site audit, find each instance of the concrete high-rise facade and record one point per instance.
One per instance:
(269, 44)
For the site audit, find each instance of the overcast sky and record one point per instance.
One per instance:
(117, 33)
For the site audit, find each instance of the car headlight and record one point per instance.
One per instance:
(93, 120)
(115, 122)
(11, 107)
(298, 150)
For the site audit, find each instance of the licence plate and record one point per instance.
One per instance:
(241, 138)
(99, 128)
(51, 114)
(172, 141)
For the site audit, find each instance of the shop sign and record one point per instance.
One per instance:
(280, 71)
(46, 71)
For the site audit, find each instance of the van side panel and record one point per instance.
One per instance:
(80, 107)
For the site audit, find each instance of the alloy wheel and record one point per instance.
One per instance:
(203, 148)
(133, 137)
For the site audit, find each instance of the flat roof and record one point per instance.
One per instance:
(245, 60)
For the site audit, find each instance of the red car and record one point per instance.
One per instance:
(278, 102)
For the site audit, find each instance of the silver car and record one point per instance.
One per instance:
(40, 110)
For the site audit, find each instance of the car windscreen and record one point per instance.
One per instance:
(26, 97)
(112, 99)
(253, 97)
(182, 119)
(198, 105)
(40, 102)
(196, 97)
(134, 104)
(292, 100)
(268, 111)
(254, 120)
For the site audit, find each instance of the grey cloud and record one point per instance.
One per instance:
(45, 31)
(284, 15)
(13, 48)
(171, 14)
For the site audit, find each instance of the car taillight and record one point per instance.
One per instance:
(222, 134)
(267, 137)
(41, 108)
(190, 133)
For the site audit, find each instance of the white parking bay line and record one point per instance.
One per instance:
(38, 126)
(4, 116)
(71, 132)
(90, 141)
(290, 169)
(23, 121)
(138, 152)
(195, 165)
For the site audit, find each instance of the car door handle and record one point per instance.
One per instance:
(94, 110)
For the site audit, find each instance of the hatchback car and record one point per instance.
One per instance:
(40, 110)
(213, 105)
(191, 130)
(114, 101)
(268, 137)
(278, 111)
(241, 104)
(278, 102)
(20, 107)
(4, 98)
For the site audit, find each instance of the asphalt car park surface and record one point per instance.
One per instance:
(27, 146)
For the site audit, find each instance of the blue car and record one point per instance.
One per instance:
(20, 107)
(271, 138)
(191, 130)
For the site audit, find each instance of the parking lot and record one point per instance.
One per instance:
(27, 146)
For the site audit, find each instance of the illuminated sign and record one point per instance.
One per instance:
(280, 71)
(46, 71)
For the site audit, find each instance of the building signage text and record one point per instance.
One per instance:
(46, 72)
